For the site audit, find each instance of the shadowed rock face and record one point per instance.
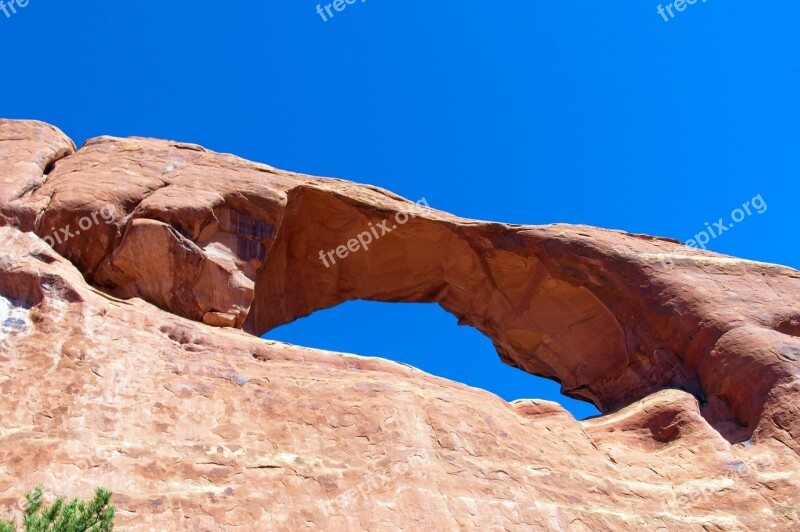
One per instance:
(692, 356)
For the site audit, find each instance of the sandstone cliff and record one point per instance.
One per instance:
(135, 273)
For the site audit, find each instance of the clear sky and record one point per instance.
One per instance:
(603, 113)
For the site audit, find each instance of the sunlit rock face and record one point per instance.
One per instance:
(135, 273)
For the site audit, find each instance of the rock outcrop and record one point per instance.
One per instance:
(137, 271)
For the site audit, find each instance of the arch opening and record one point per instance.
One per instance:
(424, 336)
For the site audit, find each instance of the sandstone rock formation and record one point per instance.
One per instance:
(135, 271)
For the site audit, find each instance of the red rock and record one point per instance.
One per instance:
(219, 319)
(108, 375)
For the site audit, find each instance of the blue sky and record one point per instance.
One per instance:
(521, 111)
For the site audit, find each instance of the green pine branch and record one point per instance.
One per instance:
(76, 515)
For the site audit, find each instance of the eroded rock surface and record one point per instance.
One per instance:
(122, 365)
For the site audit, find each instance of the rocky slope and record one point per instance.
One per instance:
(134, 271)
